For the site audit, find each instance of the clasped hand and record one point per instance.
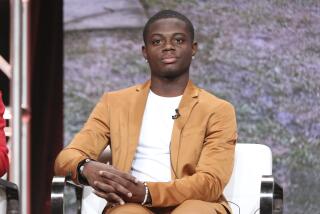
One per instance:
(115, 186)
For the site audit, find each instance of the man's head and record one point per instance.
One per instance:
(165, 14)
(169, 44)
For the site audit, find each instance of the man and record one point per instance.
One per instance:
(4, 163)
(172, 143)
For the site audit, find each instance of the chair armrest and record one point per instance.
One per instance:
(12, 194)
(271, 196)
(66, 196)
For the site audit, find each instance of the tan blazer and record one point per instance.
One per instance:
(202, 143)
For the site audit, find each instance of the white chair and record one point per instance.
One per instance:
(251, 182)
(251, 189)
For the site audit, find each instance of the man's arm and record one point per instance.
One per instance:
(88, 143)
(111, 184)
(213, 170)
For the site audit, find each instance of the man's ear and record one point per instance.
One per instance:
(194, 48)
(144, 52)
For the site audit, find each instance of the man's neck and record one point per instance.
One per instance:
(169, 87)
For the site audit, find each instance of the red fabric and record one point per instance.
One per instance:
(4, 162)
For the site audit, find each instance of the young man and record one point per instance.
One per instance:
(4, 163)
(172, 143)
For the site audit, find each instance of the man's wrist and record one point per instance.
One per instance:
(81, 177)
(147, 201)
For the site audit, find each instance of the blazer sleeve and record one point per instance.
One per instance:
(214, 167)
(4, 162)
(88, 143)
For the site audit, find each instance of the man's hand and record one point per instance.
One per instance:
(137, 189)
(110, 183)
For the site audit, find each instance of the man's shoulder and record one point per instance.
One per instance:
(126, 91)
(211, 100)
(123, 95)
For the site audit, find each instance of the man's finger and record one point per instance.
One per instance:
(102, 187)
(115, 197)
(124, 175)
(108, 176)
(118, 183)
(110, 197)
(120, 174)
(130, 177)
(122, 190)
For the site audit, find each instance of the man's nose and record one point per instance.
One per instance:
(168, 46)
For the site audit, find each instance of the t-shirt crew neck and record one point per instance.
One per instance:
(152, 158)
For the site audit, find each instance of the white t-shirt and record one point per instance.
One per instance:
(152, 158)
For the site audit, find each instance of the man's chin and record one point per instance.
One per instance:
(172, 74)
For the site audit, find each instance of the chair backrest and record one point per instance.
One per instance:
(243, 190)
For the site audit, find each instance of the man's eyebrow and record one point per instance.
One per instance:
(174, 34)
(178, 34)
(156, 34)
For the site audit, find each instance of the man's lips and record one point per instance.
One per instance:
(169, 59)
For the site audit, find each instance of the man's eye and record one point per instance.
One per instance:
(156, 42)
(179, 41)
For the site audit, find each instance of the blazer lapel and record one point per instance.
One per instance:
(136, 111)
(188, 101)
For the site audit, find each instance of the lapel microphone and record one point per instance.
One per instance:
(177, 115)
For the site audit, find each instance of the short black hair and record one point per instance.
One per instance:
(165, 14)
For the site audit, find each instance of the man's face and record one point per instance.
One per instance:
(169, 48)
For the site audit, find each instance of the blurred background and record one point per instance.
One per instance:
(262, 56)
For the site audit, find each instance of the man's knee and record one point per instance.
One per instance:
(194, 207)
(128, 209)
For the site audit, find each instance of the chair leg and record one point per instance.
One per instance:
(66, 196)
(271, 196)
